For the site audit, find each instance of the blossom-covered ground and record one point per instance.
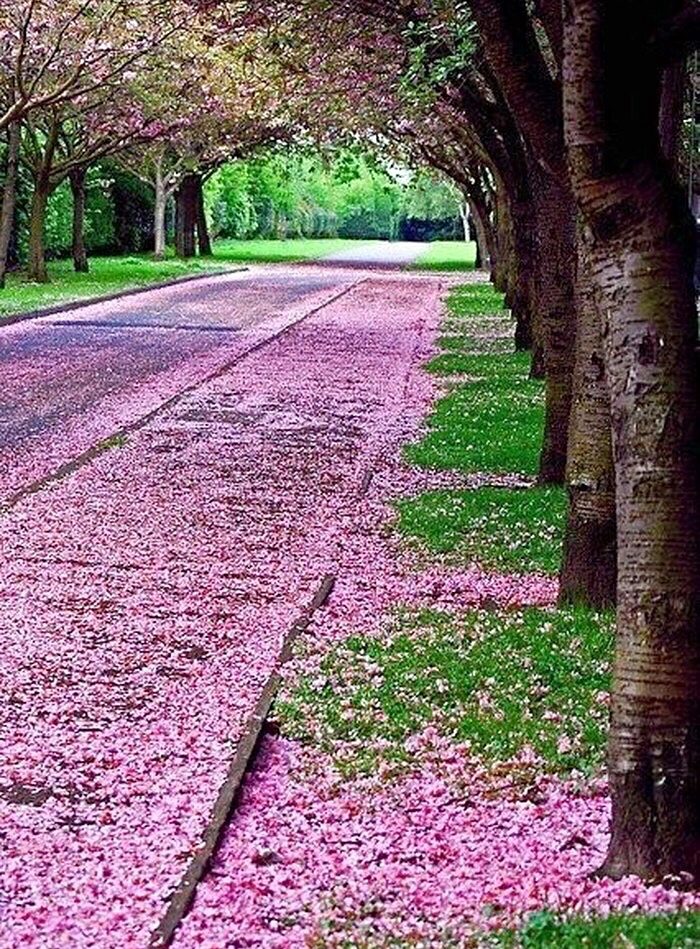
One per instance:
(439, 848)
(145, 598)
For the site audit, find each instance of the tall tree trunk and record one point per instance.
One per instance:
(556, 319)
(9, 196)
(159, 216)
(77, 184)
(589, 565)
(641, 264)
(671, 112)
(522, 294)
(36, 265)
(464, 211)
(203, 238)
(185, 236)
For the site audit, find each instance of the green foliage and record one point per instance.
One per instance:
(301, 195)
(501, 680)
(546, 931)
(513, 531)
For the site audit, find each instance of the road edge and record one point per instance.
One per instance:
(70, 305)
(182, 897)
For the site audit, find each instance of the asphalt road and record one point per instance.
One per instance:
(70, 380)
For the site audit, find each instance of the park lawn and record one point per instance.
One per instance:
(107, 275)
(447, 256)
(114, 274)
(280, 251)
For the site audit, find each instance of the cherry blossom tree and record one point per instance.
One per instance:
(65, 73)
(641, 263)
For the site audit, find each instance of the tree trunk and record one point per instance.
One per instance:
(555, 274)
(9, 196)
(203, 238)
(671, 112)
(77, 185)
(464, 215)
(641, 264)
(159, 215)
(589, 565)
(522, 294)
(36, 265)
(186, 222)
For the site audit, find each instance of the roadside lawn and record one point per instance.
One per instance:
(113, 274)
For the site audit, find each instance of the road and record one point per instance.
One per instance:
(70, 380)
(147, 587)
(381, 254)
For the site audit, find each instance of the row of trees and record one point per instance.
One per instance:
(155, 85)
(562, 124)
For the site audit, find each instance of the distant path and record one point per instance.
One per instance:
(379, 254)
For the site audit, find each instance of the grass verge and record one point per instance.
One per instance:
(493, 420)
(500, 679)
(545, 931)
(506, 530)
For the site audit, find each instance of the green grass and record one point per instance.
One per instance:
(475, 299)
(268, 251)
(545, 931)
(447, 256)
(514, 531)
(107, 275)
(492, 422)
(113, 274)
(499, 679)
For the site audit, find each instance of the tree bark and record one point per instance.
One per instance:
(671, 112)
(77, 184)
(159, 215)
(641, 265)
(186, 218)
(36, 265)
(555, 274)
(589, 564)
(522, 293)
(203, 237)
(9, 196)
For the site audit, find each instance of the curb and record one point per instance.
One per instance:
(69, 305)
(181, 899)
